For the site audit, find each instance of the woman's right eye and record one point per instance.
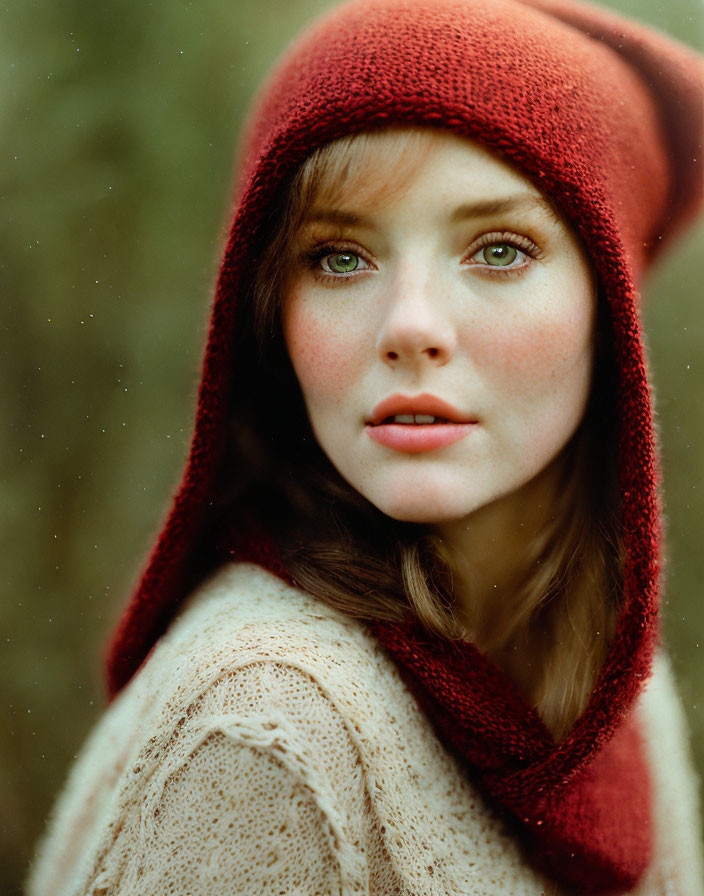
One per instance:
(340, 262)
(336, 262)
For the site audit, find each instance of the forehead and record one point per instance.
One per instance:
(362, 175)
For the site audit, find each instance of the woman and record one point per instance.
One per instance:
(419, 525)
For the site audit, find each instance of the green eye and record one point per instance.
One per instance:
(499, 254)
(343, 262)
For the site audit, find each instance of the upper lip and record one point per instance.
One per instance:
(418, 404)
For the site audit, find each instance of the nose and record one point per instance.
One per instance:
(415, 329)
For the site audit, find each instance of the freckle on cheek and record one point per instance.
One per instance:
(323, 357)
(512, 350)
(524, 350)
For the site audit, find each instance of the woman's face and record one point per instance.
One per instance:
(463, 298)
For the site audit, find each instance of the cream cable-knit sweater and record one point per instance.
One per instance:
(269, 747)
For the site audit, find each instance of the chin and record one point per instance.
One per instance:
(421, 508)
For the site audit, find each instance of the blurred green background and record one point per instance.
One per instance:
(118, 126)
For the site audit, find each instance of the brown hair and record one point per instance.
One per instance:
(343, 550)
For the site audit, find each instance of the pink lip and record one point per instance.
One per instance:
(420, 404)
(417, 437)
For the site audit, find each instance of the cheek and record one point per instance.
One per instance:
(537, 345)
(324, 353)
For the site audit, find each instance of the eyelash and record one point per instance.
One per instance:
(316, 255)
(524, 245)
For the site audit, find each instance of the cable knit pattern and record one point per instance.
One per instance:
(270, 746)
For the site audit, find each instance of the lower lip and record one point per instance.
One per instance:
(414, 438)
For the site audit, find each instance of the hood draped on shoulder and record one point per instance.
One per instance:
(604, 116)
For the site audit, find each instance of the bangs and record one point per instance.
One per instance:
(371, 169)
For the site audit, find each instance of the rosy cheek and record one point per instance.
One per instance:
(323, 352)
(530, 348)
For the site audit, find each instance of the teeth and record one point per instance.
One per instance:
(416, 418)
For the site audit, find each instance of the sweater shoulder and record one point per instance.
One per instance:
(244, 605)
(222, 726)
(245, 615)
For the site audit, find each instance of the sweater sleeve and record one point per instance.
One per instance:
(257, 788)
(238, 815)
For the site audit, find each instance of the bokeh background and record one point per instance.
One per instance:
(117, 126)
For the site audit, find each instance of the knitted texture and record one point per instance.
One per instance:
(270, 746)
(604, 117)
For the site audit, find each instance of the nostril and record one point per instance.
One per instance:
(392, 356)
(433, 352)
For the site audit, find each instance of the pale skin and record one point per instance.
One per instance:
(467, 285)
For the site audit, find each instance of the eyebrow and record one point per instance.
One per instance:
(481, 209)
(487, 207)
(335, 216)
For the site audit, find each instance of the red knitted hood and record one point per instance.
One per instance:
(605, 117)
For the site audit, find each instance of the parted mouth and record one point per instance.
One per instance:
(418, 409)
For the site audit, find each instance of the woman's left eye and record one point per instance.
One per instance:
(498, 252)
(499, 255)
